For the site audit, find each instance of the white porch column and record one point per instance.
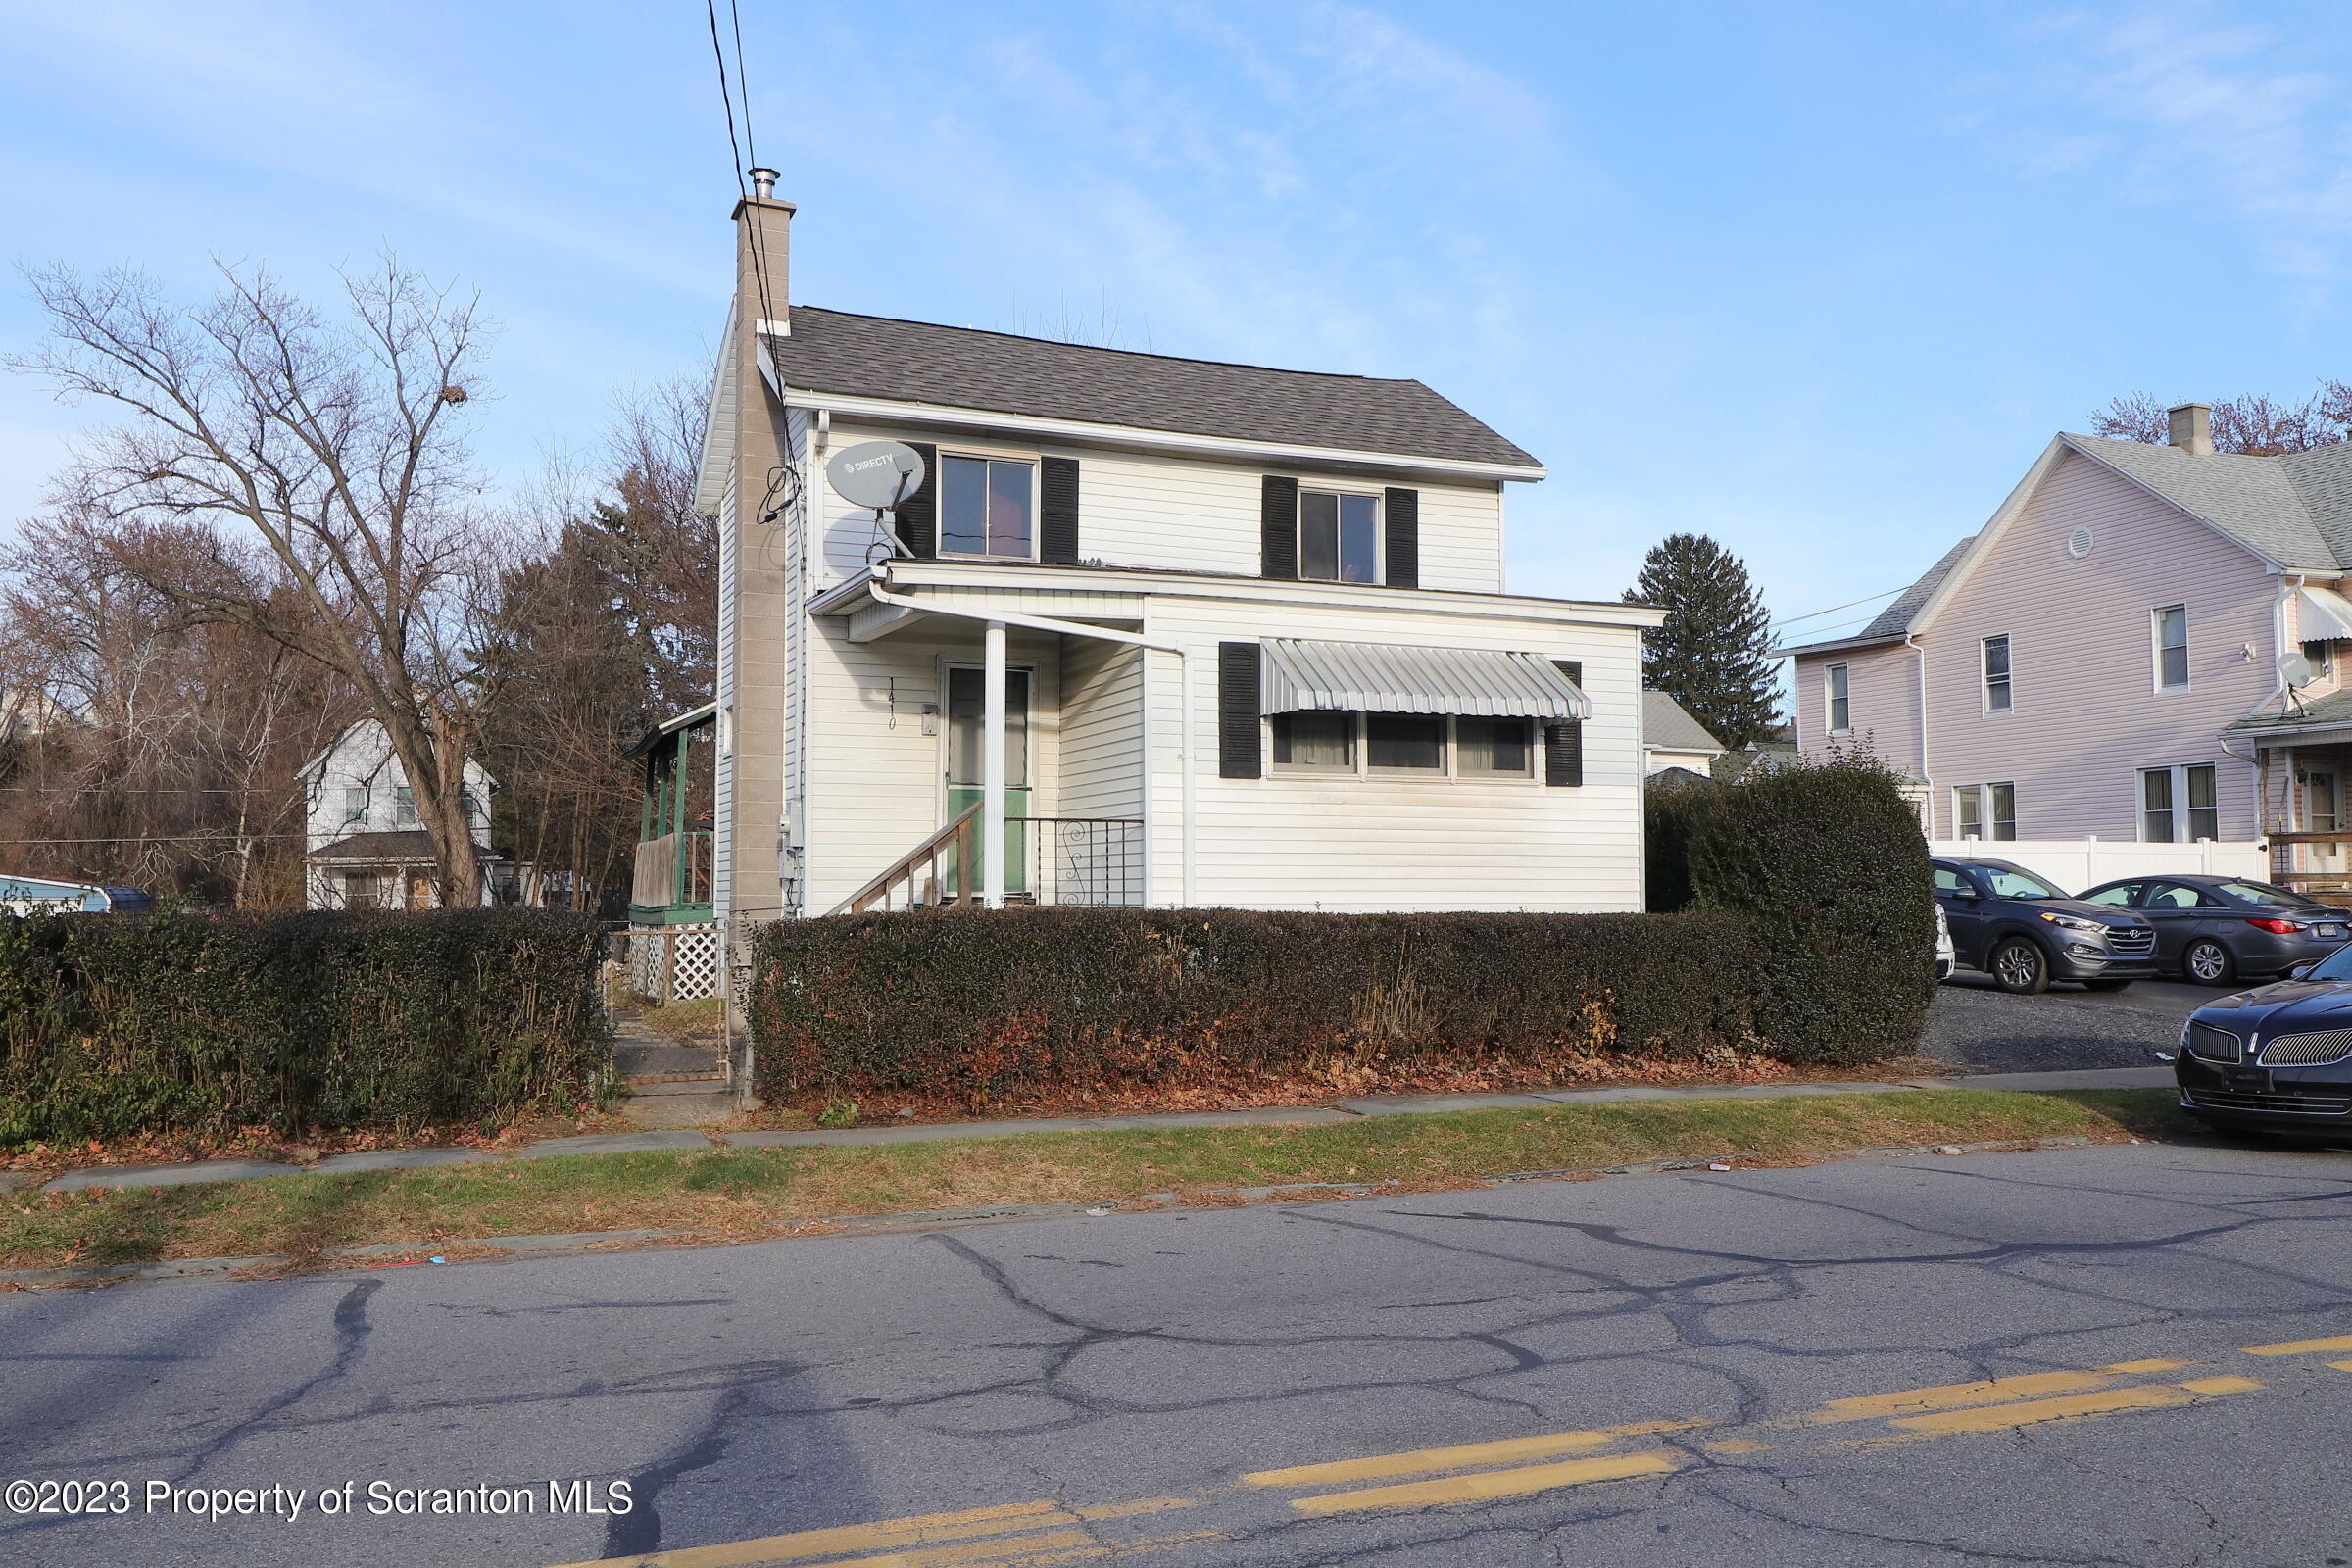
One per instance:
(991, 766)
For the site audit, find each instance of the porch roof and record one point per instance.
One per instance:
(1370, 677)
(2328, 717)
(1119, 592)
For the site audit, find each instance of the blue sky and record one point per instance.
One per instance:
(1819, 279)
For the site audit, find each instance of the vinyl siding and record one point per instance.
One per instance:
(1275, 843)
(1285, 842)
(1882, 705)
(2086, 717)
(1188, 515)
(876, 782)
(722, 794)
(1101, 729)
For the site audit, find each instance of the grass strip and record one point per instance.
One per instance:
(736, 1193)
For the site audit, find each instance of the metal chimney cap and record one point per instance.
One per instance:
(764, 182)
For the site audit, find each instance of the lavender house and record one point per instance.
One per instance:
(2144, 643)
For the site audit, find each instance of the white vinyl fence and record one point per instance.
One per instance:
(2078, 864)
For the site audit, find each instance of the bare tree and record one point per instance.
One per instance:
(144, 746)
(332, 440)
(611, 631)
(2252, 426)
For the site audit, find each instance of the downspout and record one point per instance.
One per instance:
(1073, 628)
(1911, 641)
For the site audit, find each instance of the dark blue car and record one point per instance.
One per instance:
(2275, 1060)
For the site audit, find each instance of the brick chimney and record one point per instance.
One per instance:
(2190, 426)
(752, 752)
(764, 254)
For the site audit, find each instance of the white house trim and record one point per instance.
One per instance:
(907, 574)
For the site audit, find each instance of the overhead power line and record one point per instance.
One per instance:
(1833, 608)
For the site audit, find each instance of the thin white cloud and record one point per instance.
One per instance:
(2207, 109)
(1310, 207)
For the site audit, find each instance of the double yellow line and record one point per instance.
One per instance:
(1041, 1533)
(1034, 1535)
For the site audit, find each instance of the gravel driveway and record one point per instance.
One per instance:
(1978, 1027)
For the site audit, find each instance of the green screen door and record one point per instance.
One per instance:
(965, 725)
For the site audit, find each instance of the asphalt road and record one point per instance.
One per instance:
(1753, 1367)
(2066, 1026)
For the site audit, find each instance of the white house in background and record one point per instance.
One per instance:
(366, 850)
(2145, 642)
(1672, 738)
(1197, 633)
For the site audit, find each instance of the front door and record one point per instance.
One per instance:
(2323, 812)
(966, 698)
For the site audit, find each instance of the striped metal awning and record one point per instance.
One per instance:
(1373, 678)
(2322, 616)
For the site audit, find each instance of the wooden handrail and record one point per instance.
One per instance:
(960, 833)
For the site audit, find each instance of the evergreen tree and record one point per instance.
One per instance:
(1713, 655)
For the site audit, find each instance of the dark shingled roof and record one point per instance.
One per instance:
(963, 368)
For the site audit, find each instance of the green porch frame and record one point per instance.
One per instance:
(673, 882)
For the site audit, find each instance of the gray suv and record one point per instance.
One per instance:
(2026, 933)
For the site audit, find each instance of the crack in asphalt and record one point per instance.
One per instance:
(755, 1402)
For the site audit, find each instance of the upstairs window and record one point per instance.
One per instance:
(404, 806)
(1839, 711)
(2171, 629)
(2323, 659)
(1997, 674)
(1339, 537)
(355, 804)
(987, 507)
(2178, 805)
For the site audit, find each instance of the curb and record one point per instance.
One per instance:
(509, 1247)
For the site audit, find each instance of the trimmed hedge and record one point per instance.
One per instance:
(120, 1025)
(1825, 862)
(988, 1004)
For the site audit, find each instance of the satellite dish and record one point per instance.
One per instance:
(2294, 669)
(875, 473)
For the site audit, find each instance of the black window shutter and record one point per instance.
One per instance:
(1237, 743)
(1057, 512)
(919, 514)
(1564, 743)
(1401, 525)
(1278, 529)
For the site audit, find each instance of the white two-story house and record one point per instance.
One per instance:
(1150, 630)
(2144, 643)
(364, 847)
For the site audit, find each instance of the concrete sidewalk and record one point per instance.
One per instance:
(1342, 1110)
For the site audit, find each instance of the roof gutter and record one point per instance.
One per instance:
(894, 411)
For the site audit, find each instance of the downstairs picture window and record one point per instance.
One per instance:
(2179, 804)
(1984, 811)
(1405, 746)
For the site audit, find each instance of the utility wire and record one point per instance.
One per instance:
(1833, 608)
(746, 153)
